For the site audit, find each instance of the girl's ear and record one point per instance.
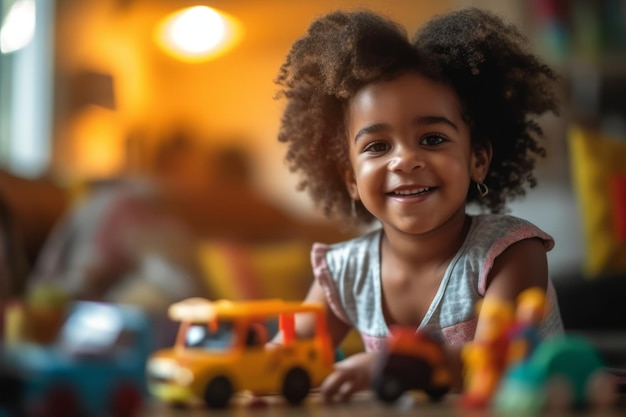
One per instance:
(481, 159)
(348, 178)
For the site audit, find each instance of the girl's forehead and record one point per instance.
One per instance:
(409, 82)
(408, 93)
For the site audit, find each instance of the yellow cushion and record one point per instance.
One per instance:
(242, 271)
(598, 162)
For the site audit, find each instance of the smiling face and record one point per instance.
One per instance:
(411, 154)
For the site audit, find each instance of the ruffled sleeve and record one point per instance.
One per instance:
(322, 275)
(520, 231)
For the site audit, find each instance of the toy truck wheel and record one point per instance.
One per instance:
(388, 388)
(11, 393)
(436, 393)
(178, 405)
(218, 392)
(59, 401)
(126, 400)
(296, 386)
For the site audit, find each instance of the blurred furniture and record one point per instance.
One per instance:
(35, 206)
(596, 309)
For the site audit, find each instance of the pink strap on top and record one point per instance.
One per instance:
(513, 236)
(322, 275)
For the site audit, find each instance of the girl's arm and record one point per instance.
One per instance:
(522, 265)
(305, 325)
(351, 374)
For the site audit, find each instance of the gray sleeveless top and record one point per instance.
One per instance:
(349, 273)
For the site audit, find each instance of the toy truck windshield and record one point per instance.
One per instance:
(92, 329)
(200, 335)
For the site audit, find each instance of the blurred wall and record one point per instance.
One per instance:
(229, 98)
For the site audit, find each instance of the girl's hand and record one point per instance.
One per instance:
(351, 375)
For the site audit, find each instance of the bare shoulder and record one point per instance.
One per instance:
(522, 265)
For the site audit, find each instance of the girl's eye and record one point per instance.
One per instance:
(433, 140)
(376, 147)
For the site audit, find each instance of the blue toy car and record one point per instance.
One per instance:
(95, 368)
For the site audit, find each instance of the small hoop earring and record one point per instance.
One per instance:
(483, 190)
(353, 207)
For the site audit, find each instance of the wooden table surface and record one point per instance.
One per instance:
(363, 405)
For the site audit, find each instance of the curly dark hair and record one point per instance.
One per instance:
(344, 51)
(502, 86)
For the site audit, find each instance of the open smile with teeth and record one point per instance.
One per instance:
(410, 192)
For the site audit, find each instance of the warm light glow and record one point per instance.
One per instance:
(197, 30)
(198, 33)
(18, 27)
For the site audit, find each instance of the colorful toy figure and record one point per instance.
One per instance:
(485, 358)
(412, 360)
(511, 368)
(563, 372)
(524, 334)
(221, 349)
(509, 337)
(96, 366)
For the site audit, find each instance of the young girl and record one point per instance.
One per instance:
(407, 135)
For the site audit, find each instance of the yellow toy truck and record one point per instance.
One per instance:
(221, 349)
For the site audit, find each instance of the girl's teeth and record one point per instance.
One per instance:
(412, 192)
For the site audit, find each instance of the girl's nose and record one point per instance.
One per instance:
(406, 160)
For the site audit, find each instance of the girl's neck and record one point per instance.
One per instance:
(434, 248)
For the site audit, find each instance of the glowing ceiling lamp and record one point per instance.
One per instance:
(18, 27)
(198, 33)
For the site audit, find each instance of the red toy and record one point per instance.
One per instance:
(412, 360)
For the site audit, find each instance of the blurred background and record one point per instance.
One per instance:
(102, 98)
